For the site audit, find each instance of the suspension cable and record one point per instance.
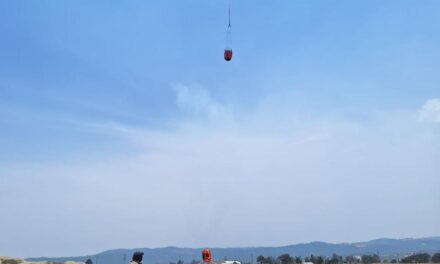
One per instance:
(229, 13)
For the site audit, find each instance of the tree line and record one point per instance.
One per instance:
(337, 259)
(334, 259)
(422, 258)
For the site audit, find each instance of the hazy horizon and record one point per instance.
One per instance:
(227, 247)
(122, 126)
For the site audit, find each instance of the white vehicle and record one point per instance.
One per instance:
(231, 262)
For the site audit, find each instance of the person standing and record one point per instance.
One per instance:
(137, 257)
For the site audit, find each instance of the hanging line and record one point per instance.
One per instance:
(229, 13)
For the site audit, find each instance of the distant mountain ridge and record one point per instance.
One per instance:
(384, 246)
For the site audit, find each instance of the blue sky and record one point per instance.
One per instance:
(120, 120)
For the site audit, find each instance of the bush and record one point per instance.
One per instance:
(12, 261)
(436, 258)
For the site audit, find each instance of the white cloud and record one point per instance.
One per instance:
(311, 179)
(195, 99)
(430, 111)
